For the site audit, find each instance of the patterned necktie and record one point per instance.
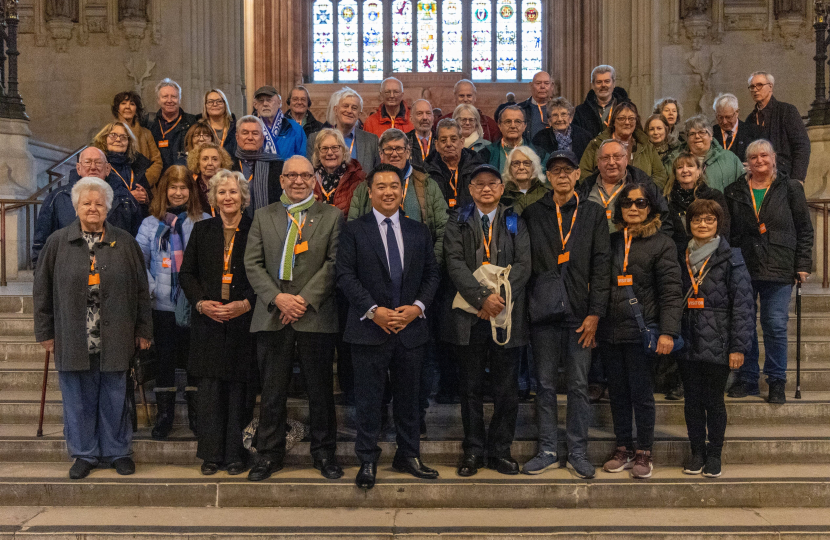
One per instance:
(485, 226)
(728, 139)
(395, 267)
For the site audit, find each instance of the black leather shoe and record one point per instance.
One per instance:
(80, 469)
(329, 468)
(365, 478)
(209, 467)
(503, 465)
(263, 469)
(415, 467)
(237, 467)
(124, 466)
(470, 464)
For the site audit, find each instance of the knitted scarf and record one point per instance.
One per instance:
(698, 254)
(172, 243)
(259, 182)
(563, 138)
(294, 210)
(331, 180)
(272, 133)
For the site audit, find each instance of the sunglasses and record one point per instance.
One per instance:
(641, 204)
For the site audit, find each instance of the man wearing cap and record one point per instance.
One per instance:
(485, 232)
(283, 136)
(571, 246)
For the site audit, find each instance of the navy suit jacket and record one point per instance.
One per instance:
(363, 277)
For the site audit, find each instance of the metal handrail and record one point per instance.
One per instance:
(822, 205)
(54, 176)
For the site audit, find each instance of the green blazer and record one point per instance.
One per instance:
(314, 273)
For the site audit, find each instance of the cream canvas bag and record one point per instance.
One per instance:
(494, 278)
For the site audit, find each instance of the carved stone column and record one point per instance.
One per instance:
(574, 45)
(278, 28)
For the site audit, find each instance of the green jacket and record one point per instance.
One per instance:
(645, 158)
(721, 167)
(518, 200)
(430, 199)
(495, 155)
(669, 156)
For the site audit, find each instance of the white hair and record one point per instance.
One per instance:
(91, 183)
(472, 110)
(766, 74)
(725, 100)
(250, 119)
(604, 68)
(387, 79)
(336, 98)
(168, 82)
(463, 81)
(224, 175)
(535, 169)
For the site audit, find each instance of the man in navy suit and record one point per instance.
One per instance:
(387, 270)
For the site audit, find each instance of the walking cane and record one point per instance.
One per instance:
(798, 340)
(43, 395)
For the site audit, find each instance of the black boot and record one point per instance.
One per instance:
(166, 405)
(192, 404)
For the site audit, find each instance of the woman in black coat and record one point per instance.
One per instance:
(222, 349)
(717, 328)
(644, 265)
(771, 225)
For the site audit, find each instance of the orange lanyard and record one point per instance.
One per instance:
(250, 178)
(92, 264)
(754, 205)
(351, 146)
(541, 115)
(298, 224)
(132, 178)
(505, 151)
(228, 252)
(405, 189)
(628, 240)
(454, 182)
(610, 112)
(429, 145)
(326, 194)
(696, 282)
(573, 220)
(164, 133)
(734, 136)
(224, 135)
(487, 242)
(610, 197)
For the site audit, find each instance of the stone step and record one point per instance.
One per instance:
(103, 523)
(16, 304)
(741, 486)
(812, 324)
(22, 407)
(745, 445)
(17, 324)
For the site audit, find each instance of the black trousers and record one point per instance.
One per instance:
(703, 384)
(275, 357)
(225, 409)
(345, 371)
(172, 346)
(371, 363)
(630, 387)
(504, 366)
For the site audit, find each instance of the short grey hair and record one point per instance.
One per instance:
(766, 74)
(336, 98)
(606, 142)
(419, 100)
(168, 82)
(224, 175)
(449, 123)
(725, 100)
(464, 81)
(604, 68)
(561, 103)
(698, 122)
(318, 143)
(250, 119)
(535, 169)
(388, 79)
(470, 109)
(91, 183)
(393, 135)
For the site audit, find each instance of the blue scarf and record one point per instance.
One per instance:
(563, 139)
(272, 133)
(174, 244)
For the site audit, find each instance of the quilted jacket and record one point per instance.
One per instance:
(726, 322)
(652, 263)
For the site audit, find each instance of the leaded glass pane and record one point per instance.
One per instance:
(481, 35)
(347, 37)
(427, 35)
(531, 38)
(402, 36)
(323, 41)
(452, 29)
(506, 19)
(372, 40)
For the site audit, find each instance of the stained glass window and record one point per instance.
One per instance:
(323, 41)
(506, 40)
(368, 40)
(531, 38)
(481, 50)
(427, 35)
(401, 36)
(453, 35)
(372, 40)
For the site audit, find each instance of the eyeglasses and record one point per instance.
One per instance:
(292, 176)
(557, 171)
(513, 122)
(610, 157)
(214, 102)
(482, 185)
(326, 149)
(526, 164)
(201, 136)
(400, 150)
(723, 117)
(709, 220)
(696, 134)
(627, 119)
(118, 137)
(757, 86)
(90, 163)
(641, 204)
(465, 120)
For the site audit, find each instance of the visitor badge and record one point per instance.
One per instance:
(452, 203)
(301, 248)
(164, 143)
(227, 279)
(94, 279)
(695, 303)
(564, 257)
(762, 228)
(165, 262)
(608, 214)
(622, 281)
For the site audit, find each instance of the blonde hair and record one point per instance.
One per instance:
(224, 175)
(100, 140)
(205, 117)
(195, 156)
(318, 143)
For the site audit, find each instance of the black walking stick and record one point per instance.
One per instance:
(798, 340)
(43, 395)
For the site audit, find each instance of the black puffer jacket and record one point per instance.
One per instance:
(726, 322)
(787, 246)
(652, 262)
(678, 206)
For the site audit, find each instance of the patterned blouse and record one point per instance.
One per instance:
(93, 300)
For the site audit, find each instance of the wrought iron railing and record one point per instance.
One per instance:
(822, 206)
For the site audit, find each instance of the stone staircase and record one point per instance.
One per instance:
(776, 481)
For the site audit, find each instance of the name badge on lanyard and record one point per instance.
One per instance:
(624, 279)
(695, 303)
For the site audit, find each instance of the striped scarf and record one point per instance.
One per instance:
(294, 209)
(272, 133)
(174, 243)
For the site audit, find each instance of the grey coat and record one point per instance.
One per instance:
(367, 149)
(60, 291)
(314, 272)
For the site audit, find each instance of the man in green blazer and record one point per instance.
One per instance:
(290, 263)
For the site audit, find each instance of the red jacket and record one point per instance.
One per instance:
(342, 196)
(488, 125)
(379, 121)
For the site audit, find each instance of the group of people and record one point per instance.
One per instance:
(550, 241)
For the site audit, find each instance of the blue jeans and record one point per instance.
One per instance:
(775, 301)
(553, 345)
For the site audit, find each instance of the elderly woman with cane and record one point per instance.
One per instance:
(93, 334)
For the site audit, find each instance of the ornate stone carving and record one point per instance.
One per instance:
(745, 21)
(132, 9)
(138, 80)
(705, 67)
(791, 26)
(695, 7)
(697, 28)
(61, 30)
(133, 30)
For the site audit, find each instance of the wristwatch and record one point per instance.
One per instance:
(371, 314)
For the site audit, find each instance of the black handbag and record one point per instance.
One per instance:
(548, 300)
(145, 365)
